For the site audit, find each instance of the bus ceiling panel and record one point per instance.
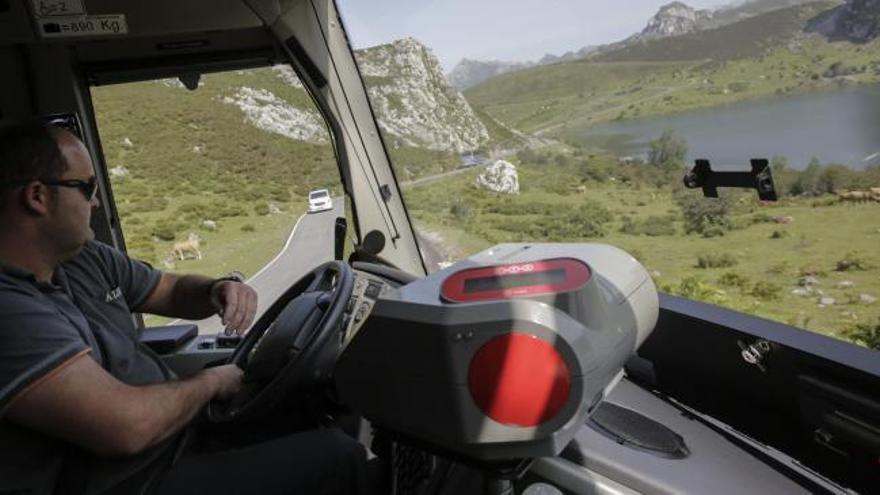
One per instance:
(220, 44)
(133, 19)
(15, 23)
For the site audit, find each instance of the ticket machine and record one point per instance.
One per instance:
(501, 356)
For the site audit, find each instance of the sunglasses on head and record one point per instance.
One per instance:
(88, 188)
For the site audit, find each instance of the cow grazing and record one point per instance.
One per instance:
(189, 247)
(854, 196)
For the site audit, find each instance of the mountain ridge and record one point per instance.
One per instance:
(672, 19)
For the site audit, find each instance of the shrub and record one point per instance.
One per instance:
(693, 287)
(248, 228)
(806, 182)
(164, 231)
(652, 226)
(261, 209)
(225, 210)
(866, 334)
(852, 261)
(779, 234)
(733, 279)
(149, 203)
(708, 217)
(508, 206)
(190, 208)
(811, 271)
(779, 268)
(738, 87)
(461, 210)
(766, 291)
(709, 260)
(668, 151)
(760, 217)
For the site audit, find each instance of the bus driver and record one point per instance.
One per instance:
(85, 408)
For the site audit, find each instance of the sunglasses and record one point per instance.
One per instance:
(88, 188)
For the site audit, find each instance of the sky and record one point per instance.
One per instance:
(511, 30)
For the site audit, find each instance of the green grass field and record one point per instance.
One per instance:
(768, 258)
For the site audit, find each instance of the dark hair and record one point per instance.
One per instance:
(27, 150)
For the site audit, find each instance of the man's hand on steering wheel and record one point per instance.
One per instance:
(294, 345)
(236, 303)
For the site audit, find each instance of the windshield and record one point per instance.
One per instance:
(578, 123)
(318, 194)
(187, 190)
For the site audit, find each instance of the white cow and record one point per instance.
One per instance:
(188, 247)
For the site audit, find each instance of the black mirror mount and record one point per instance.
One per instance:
(190, 80)
(759, 178)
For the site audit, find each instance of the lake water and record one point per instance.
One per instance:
(841, 126)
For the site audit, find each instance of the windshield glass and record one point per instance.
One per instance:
(195, 176)
(318, 194)
(577, 123)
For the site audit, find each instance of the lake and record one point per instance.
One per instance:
(840, 126)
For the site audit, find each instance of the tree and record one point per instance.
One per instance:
(669, 151)
(781, 173)
(834, 178)
(807, 182)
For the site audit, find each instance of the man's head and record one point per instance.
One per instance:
(47, 183)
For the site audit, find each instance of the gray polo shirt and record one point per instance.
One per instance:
(85, 310)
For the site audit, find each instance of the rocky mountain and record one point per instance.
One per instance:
(674, 19)
(469, 72)
(414, 103)
(857, 21)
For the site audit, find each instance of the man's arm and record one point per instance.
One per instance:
(83, 404)
(195, 297)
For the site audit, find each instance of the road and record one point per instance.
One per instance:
(309, 244)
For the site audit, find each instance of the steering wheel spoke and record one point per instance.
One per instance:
(294, 347)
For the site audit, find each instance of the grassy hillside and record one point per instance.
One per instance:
(752, 8)
(539, 97)
(193, 158)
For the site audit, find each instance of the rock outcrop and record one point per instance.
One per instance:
(500, 177)
(674, 19)
(414, 103)
(268, 112)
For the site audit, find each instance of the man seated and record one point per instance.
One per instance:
(84, 407)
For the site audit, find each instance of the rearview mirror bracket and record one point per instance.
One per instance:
(759, 178)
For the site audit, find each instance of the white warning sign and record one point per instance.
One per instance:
(86, 25)
(47, 8)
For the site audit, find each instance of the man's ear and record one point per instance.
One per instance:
(36, 198)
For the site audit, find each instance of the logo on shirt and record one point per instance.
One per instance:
(113, 295)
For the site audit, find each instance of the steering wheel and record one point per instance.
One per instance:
(291, 347)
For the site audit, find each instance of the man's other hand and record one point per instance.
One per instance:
(236, 303)
(227, 380)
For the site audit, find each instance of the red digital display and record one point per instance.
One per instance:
(515, 280)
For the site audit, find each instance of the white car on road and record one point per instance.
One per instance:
(320, 200)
